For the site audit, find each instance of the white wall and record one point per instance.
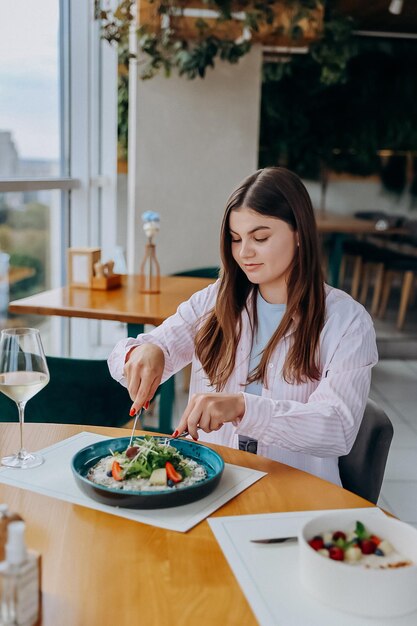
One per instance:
(195, 141)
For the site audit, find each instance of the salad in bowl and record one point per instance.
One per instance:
(147, 465)
(153, 472)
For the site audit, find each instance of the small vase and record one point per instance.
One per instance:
(149, 271)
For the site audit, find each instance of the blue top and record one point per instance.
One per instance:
(269, 318)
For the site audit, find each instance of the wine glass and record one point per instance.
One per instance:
(23, 372)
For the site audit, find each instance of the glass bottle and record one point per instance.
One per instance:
(149, 270)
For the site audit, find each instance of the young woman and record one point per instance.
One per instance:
(281, 362)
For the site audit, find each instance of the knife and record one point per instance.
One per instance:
(275, 540)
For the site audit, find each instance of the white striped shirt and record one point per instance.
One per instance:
(306, 425)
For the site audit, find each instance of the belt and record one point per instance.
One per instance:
(248, 445)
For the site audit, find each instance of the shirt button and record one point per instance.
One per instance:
(271, 365)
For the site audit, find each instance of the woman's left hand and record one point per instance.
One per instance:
(209, 411)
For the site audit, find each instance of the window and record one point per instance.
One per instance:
(30, 142)
(57, 147)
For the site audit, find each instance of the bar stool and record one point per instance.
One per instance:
(407, 268)
(404, 264)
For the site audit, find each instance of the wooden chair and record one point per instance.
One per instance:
(406, 268)
(371, 259)
(362, 470)
(366, 257)
(354, 252)
(403, 265)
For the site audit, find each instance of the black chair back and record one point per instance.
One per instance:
(362, 470)
(370, 215)
(411, 227)
(79, 392)
(201, 272)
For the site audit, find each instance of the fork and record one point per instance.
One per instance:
(184, 433)
(138, 416)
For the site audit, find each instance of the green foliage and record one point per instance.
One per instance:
(27, 285)
(34, 216)
(328, 57)
(166, 50)
(116, 24)
(122, 115)
(334, 50)
(307, 121)
(24, 234)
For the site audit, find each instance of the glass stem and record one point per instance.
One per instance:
(21, 409)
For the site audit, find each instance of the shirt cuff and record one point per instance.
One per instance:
(256, 418)
(129, 352)
(117, 358)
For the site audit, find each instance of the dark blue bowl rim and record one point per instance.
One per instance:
(165, 492)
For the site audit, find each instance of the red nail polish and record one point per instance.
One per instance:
(132, 412)
(175, 433)
(146, 407)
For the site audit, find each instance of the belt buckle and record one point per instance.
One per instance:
(252, 446)
(246, 444)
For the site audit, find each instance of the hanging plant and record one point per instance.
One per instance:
(189, 36)
(122, 110)
(329, 54)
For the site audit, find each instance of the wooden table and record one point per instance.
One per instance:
(124, 304)
(339, 227)
(101, 569)
(348, 224)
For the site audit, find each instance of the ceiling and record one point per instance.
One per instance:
(373, 15)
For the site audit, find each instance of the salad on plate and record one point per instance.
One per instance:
(148, 465)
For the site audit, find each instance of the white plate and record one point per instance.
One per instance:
(268, 573)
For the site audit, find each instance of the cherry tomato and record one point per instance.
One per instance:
(172, 473)
(116, 471)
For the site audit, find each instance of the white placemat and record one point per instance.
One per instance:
(268, 573)
(55, 479)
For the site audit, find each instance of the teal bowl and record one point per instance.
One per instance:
(84, 460)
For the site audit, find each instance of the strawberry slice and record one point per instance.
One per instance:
(316, 543)
(367, 546)
(336, 553)
(116, 471)
(172, 473)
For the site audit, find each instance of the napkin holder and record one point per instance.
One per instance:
(106, 282)
(81, 262)
(104, 278)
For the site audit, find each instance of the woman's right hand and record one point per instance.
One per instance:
(143, 372)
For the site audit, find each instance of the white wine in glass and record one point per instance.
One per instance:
(23, 373)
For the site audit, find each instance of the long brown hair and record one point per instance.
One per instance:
(274, 192)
